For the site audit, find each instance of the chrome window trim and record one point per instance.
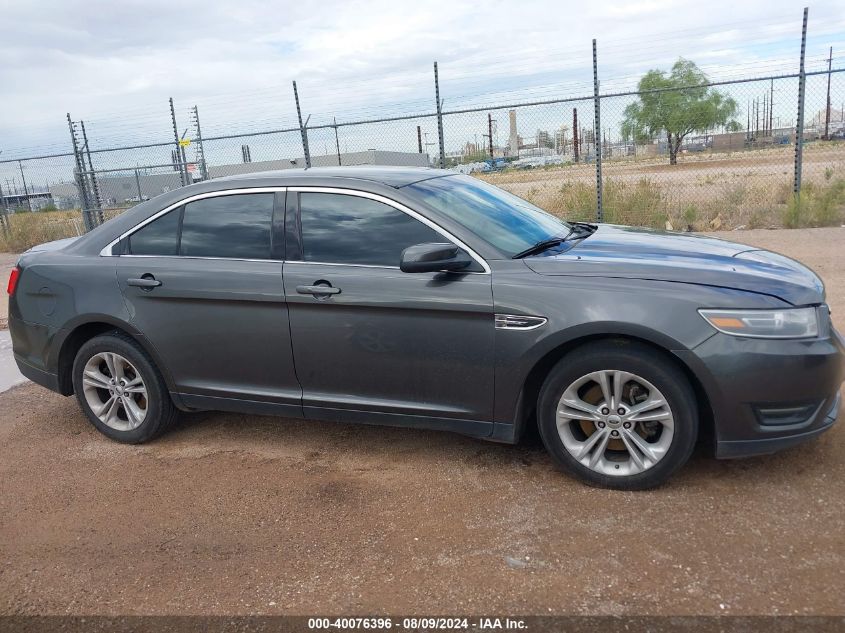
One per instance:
(107, 249)
(225, 259)
(307, 263)
(399, 207)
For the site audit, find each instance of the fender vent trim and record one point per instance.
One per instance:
(518, 322)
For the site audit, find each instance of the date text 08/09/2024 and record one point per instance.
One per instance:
(416, 623)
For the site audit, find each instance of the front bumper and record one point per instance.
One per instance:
(727, 449)
(767, 395)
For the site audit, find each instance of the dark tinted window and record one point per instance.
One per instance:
(228, 226)
(159, 237)
(351, 230)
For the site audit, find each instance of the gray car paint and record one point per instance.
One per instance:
(420, 349)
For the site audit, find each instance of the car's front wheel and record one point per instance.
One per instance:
(120, 389)
(617, 414)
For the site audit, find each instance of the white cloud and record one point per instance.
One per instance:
(114, 64)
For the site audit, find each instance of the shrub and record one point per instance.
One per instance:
(816, 206)
(29, 229)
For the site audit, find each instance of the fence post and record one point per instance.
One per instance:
(203, 165)
(4, 221)
(94, 184)
(596, 143)
(799, 125)
(442, 159)
(337, 142)
(302, 128)
(138, 185)
(80, 178)
(25, 189)
(183, 176)
(490, 133)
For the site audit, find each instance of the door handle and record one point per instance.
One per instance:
(318, 291)
(147, 282)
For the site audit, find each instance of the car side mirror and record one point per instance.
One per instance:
(431, 258)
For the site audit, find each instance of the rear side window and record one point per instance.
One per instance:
(237, 226)
(344, 229)
(159, 237)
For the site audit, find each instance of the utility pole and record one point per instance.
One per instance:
(765, 114)
(419, 139)
(771, 104)
(747, 120)
(826, 136)
(575, 146)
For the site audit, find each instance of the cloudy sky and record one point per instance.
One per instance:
(115, 63)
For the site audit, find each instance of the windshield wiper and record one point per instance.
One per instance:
(579, 229)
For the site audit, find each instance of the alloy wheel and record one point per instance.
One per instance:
(115, 391)
(615, 422)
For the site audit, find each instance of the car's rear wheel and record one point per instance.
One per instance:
(618, 414)
(120, 389)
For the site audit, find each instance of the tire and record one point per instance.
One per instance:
(140, 408)
(637, 445)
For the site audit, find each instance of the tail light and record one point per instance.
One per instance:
(13, 280)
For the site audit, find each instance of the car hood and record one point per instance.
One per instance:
(619, 251)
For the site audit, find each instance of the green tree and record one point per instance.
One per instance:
(677, 104)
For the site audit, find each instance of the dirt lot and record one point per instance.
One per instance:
(244, 514)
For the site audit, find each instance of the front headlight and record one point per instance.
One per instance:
(788, 323)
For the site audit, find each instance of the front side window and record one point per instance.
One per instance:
(236, 226)
(506, 221)
(159, 237)
(344, 229)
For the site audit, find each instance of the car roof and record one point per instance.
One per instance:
(385, 175)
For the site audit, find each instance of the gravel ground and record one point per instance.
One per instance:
(243, 514)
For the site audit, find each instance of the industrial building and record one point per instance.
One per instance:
(116, 190)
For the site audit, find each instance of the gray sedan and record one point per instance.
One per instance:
(429, 299)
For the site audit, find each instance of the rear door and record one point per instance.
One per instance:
(203, 282)
(368, 337)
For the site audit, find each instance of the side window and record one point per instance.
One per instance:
(159, 237)
(344, 229)
(236, 226)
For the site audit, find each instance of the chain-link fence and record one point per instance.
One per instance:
(678, 151)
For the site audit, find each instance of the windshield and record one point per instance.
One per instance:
(507, 222)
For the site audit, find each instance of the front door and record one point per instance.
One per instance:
(204, 284)
(368, 337)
